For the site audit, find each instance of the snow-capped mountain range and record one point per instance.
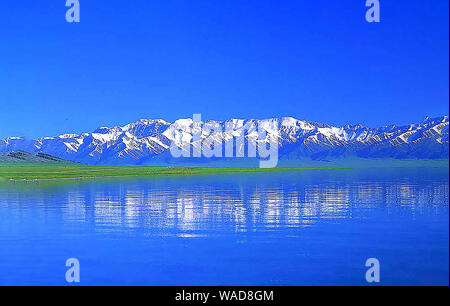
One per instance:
(148, 141)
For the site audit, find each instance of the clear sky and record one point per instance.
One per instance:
(311, 59)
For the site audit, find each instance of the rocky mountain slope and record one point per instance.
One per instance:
(148, 141)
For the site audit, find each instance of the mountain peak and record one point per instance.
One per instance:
(441, 119)
(152, 121)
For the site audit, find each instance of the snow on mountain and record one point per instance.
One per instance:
(144, 140)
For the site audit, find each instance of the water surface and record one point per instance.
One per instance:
(289, 228)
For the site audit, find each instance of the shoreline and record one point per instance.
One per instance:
(164, 172)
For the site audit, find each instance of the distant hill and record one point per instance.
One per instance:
(148, 141)
(20, 156)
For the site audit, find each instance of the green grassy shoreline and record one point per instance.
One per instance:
(39, 172)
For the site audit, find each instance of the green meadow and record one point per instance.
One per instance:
(54, 172)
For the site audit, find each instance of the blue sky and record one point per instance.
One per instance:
(315, 60)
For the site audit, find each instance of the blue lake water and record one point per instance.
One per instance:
(287, 228)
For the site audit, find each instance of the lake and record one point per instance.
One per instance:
(286, 228)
